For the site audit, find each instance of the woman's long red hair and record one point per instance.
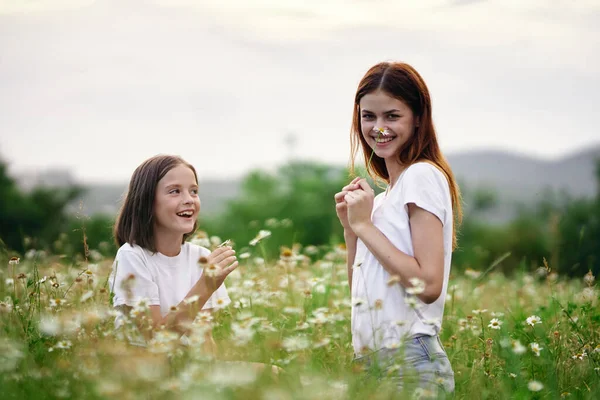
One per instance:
(403, 82)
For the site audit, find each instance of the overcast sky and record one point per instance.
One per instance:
(98, 86)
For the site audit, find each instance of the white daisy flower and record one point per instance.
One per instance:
(535, 386)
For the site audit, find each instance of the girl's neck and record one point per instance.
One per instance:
(169, 245)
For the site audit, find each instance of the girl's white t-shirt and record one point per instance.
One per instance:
(159, 279)
(381, 316)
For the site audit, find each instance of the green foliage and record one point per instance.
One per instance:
(38, 216)
(296, 203)
(579, 237)
(578, 234)
(87, 233)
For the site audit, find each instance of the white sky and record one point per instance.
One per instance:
(98, 86)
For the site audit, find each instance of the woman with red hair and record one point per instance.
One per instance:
(399, 242)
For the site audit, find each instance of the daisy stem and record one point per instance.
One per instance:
(373, 152)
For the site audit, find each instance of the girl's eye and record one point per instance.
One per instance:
(195, 191)
(174, 191)
(367, 116)
(391, 116)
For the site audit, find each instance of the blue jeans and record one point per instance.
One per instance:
(420, 363)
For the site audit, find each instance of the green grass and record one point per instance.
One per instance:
(295, 315)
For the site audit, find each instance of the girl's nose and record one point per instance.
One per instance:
(188, 199)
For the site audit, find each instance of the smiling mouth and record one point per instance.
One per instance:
(384, 139)
(185, 214)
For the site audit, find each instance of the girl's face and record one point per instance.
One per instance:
(379, 110)
(176, 202)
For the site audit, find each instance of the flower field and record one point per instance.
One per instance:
(533, 335)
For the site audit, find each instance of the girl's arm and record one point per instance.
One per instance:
(176, 320)
(225, 260)
(186, 310)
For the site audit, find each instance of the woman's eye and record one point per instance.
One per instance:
(174, 191)
(392, 116)
(367, 116)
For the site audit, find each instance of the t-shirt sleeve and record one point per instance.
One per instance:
(427, 187)
(132, 281)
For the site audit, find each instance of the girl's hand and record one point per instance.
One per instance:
(360, 205)
(341, 208)
(221, 262)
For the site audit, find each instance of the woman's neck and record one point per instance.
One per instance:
(394, 169)
(169, 245)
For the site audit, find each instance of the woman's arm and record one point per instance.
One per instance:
(426, 234)
(350, 238)
(428, 262)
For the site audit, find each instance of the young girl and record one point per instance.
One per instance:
(154, 263)
(400, 242)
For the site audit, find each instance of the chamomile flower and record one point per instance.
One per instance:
(535, 386)
(63, 344)
(262, 234)
(412, 302)
(57, 302)
(517, 347)
(532, 320)
(296, 343)
(535, 348)
(418, 286)
(212, 270)
(495, 323)
(382, 131)
(86, 296)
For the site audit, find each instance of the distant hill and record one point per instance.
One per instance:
(516, 180)
(519, 180)
(525, 178)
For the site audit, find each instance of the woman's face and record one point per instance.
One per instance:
(378, 110)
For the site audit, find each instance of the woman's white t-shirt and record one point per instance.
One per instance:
(381, 317)
(159, 279)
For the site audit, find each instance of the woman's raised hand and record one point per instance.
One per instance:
(359, 205)
(341, 207)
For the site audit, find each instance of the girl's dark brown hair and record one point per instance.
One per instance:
(403, 82)
(135, 221)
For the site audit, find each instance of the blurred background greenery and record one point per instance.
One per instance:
(295, 203)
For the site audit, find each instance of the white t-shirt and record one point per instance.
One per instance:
(380, 315)
(160, 279)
